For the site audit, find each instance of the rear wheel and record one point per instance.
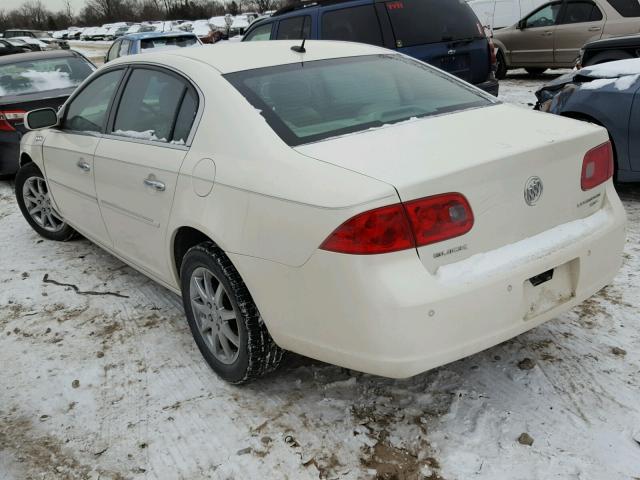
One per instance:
(535, 71)
(224, 320)
(501, 67)
(35, 204)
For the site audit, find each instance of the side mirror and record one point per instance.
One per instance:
(41, 118)
(522, 24)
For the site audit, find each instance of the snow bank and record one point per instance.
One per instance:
(517, 254)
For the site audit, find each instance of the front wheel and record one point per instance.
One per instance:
(224, 320)
(35, 204)
(501, 67)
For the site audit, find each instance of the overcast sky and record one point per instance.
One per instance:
(53, 5)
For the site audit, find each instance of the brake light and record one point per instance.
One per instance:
(403, 226)
(493, 59)
(597, 166)
(8, 117)
(438, 218)
(382, 230)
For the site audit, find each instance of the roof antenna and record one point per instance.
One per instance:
(299, 48)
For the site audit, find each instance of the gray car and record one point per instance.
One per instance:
(607, 94)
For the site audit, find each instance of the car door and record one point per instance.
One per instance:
(580, 22)
(137, 163)
(259, 33)
(532, 42)
(68, 154)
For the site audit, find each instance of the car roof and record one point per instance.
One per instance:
(143, 35)
(25, 57)
(227, 57)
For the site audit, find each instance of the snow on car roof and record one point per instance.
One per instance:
(227, 57)
(615, 69)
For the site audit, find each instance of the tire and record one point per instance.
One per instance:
(605, 57)
(501, 71)
(250, 352)
(535, 71)
(51, 226)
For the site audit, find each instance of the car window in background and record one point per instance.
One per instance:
(166, 43)
(113, 51)
(87, 112)
(149, 106)
(124, 48)
(579, 12)
(316, 100)
(263, 32)
(21, 78)
(294, 28)
(417, 22)
(626, 8)
(354, 24)
(545, 17)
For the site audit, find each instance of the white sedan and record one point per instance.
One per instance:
(339, 200)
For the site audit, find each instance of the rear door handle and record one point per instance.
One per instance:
(547, 33)
(150, 181)
(84, 166)
(594, 29)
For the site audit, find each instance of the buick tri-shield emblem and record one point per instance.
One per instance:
(532, 190)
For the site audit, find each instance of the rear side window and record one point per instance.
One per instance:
(545, 17)
(186, 116)
(124, 48)
(263, 32)
(294, 28)
(356, 24)
(417, 22)
(626, 8)
(113, 51)
(580, 12)
(149, 106)
(312, 101)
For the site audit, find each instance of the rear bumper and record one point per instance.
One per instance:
(387, 315)
(9, 152)
(491, 86)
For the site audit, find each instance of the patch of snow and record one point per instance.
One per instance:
(483, 265)
(622, 83)
(146, 135)
(615, 69)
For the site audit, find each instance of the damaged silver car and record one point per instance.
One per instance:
(608, 95)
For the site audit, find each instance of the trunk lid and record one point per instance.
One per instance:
(487, 154)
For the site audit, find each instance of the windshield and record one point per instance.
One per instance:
(41, 75)
(168, 42)
(311, 101)
(417, 22)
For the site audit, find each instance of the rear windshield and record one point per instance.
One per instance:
(41, 75)
(312, 101)
(417, 22)
(168, 42)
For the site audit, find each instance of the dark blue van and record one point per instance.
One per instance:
(443, 33)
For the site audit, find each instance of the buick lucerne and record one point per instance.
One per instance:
(334, 199)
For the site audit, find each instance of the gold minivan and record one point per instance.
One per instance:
(552, 35)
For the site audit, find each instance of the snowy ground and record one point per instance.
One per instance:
(112, 387)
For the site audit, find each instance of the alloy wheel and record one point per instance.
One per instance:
(38, 203)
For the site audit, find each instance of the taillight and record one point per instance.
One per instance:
(402, 226)
(597, 166)
(492, 53)
(8, 117)
(382, 230)
(438, 218)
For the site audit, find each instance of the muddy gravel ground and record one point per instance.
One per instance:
(100, 379)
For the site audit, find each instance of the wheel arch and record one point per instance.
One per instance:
(24, 159)
(182, 239)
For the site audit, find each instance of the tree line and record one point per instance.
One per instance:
(35, 15)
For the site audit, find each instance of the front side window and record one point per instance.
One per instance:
(149, 106)
(124, 48)
(263, 32)
(626, 8)
(294, 28)
(545, 17)
(113, 51)
(21, 78)
(316, 100)
(355, 24)
(87, 112)
(580, 12)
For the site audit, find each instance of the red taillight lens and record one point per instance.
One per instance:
(8, 117)
(597, 166)
(438, 218)
(492, 53)
(402, 226)
(382, 230)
